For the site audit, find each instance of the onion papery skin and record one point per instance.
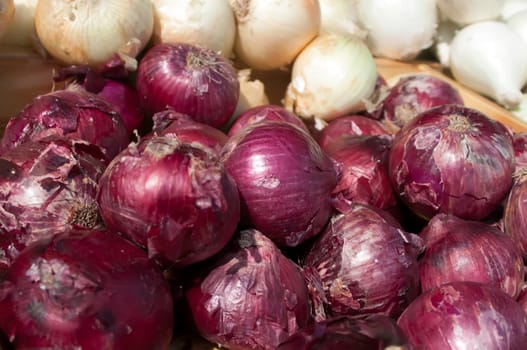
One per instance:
(370, 332)
(284, 179)
(265, 112)
(463, 250)
(519, 141)
(414, 94)
(514, 218)
(350, 125)
(452, 159)
(174, 199)
(464, 315)
(86, 289)
(366, 263)
(250, 296)
(186, 129)
(190, 79)
(47, 187)
(363, 162)
(74, 113)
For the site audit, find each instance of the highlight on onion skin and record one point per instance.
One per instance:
(413, 94)
(74, 113)
(365, 264)
(464, 315)
(47, 187)
(463, 250)
(190, 79)
(250, 296)
(443, 145)
(514, 219)
(284, 179)
(173, 199)
(86, 289)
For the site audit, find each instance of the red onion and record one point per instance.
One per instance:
(250, 296)
(350, 125)
(522, 298)
(193, 80)
(374, 102)
(452, 159)
(284, 178)
(363, 161)
(265, 112)
(46, 187)
(86, 289)
(174, 199)
(464, 315)
(366, 263)
(520, 149)
(463, 250)
(74, 113)
(185, 129)
(370, 332)
(514, 217)
(413, 94)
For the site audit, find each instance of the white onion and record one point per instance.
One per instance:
(470, 11)
(339, 16)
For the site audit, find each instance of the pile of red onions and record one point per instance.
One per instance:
(74, 113)
(86, 289)
(464, 315)
(173, 199)
(190, 79)
(284, 178)
(250, 296)
(452, 159)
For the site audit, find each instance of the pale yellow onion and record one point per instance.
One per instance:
(7, 12)
(208, 23)
(470, 11)
(331, 77)
(21, 31)
(252, 92)
(339, 16)
(92, 31)
(270, 34)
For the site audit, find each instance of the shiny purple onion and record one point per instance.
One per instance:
(514, 219)
(174, 199)
(73, 113)
(464, 315)
(86, 289)
(463, 250)
(192, 80)
(350, 125)
(452, 159)
(284, 178)
(366, 264)
(413, 94)
(250, 296)
(265, 112)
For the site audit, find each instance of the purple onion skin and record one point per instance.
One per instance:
(174, 199)
(514, 219)
(265, 112)
(363, 162)
(47, 187)
(370, 332)
(250, 296)
(522, 298)
(284, 178)
(350, 125)
(463, 250)
(414, 94)
(520, 149)
(126, 101)
(86, 289)
(452, 159)
(464, 315)
(186, 129)
(73, 113)
(365, 263)
(190, 79)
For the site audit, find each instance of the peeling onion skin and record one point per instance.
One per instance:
(173, 199)
(365, 241)
(74, 113)
(514, 218)
(462, 250)
(190, 79)
(250, 296)
(452, 159)
(284, 178)
(464, 315)
(46, 188)
(86, 289)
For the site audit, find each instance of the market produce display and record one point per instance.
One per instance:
(260, 175)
